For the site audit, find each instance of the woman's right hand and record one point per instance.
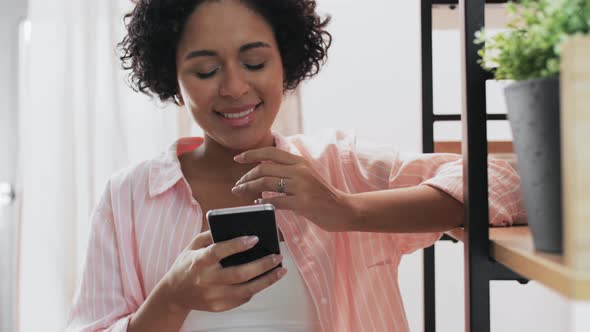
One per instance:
(197, 281)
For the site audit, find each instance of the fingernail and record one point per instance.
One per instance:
(257, 201)
(281, 273)
(276, 259)
(236, 189)
(251, 240)
(239, 157)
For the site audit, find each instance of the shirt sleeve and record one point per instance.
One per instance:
(105, 300)
(379, 167)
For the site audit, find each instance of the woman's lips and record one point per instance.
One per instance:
(239, 119)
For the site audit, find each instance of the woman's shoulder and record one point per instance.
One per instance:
(161, 168)
(126, 183)
(138, 171)
(143, 174)
(319, 143)
(339, 144)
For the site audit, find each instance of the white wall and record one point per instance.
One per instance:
(371, 73)
(371, 84)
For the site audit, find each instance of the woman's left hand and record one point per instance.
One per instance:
(306, 193)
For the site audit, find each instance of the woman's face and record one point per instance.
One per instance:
(230, 73)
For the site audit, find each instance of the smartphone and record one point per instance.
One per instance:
(259, 220)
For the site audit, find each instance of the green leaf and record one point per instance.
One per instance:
(531, 47)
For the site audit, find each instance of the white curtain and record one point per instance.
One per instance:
(79, 123)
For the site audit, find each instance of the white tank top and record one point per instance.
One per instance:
(284, 306)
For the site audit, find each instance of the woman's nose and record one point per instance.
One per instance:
(233, 85)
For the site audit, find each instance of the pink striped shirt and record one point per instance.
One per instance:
(147, 215)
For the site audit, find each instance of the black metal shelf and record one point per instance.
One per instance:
(480, 269)
(457, 117)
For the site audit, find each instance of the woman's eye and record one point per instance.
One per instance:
(254, 67)
(206, 75)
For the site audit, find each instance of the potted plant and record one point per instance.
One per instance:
(528, 53)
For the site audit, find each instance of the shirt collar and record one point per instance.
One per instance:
(165, 170)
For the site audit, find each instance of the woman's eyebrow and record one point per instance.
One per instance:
(250, 46)
(195, 54)
(243, 48)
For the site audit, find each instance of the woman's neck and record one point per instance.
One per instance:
(214, 156)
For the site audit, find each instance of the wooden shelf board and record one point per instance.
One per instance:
(443, 18)
(513, 247)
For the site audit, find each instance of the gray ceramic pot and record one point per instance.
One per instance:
(533, 112)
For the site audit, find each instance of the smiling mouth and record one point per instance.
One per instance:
(240, 114)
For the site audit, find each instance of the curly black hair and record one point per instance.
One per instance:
(154, 28)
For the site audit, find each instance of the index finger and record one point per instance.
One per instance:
(221, 250)
(200, 241)
(267, 154)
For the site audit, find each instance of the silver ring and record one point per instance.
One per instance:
(281, 188)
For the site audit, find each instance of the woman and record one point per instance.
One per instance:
(347, 212)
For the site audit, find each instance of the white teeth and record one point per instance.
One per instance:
(238, 115)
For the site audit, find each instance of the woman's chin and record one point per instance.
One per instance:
(241, 144)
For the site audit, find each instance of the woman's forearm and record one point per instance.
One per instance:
(156, 315)
(407, 210)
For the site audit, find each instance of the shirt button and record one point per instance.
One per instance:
(324, 301)
(296, 239)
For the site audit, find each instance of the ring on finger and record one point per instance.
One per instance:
(281, 188)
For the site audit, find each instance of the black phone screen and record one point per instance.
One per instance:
(259, 223)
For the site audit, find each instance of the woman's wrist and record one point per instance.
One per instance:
(164, 294)
(159, 312)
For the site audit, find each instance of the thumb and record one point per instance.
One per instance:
(200, 241)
